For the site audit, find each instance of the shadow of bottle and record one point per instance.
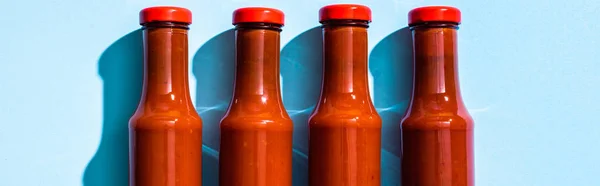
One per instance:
(391, 65)
(121, 68)
(214, 68)
(301, 71)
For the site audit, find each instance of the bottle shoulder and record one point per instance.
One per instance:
(458, 121)
(166, 120)
(347, 119)
(345, 110)
(256, 122)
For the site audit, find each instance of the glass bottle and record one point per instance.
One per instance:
(256, 131)
(437, 131)
(165, 131)
(345, 129)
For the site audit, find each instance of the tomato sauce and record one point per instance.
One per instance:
(437, 130)
(256, 131)
(165, 131)
(345, 129)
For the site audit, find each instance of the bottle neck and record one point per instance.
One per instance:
(165, 64)
(436, 65)
(345, 68)
(257, 63)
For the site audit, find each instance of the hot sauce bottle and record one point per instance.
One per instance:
(345, 129)
(165, 131)
(256, 131)
(437, 129)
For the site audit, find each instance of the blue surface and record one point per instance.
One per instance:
(71, 72)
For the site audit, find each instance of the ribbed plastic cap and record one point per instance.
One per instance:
(165, 13)
(258, 15)
(434, 14)
(345, 12)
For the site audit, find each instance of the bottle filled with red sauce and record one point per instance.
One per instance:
(437, 131)
(256, 131)
(165, 133)
(345, 129)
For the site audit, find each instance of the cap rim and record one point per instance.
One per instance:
(165, 14)
(258, 15)
(434, 14)
(345, 12)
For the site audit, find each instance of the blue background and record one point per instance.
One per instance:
(70, 79)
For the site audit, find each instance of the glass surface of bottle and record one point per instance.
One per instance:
(165, 131)
(256, 131)
(437, 131)
(345, 129)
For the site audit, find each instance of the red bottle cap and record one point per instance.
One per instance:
(345, 12)
(434, 14)
(165, 13)
(258, 15)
